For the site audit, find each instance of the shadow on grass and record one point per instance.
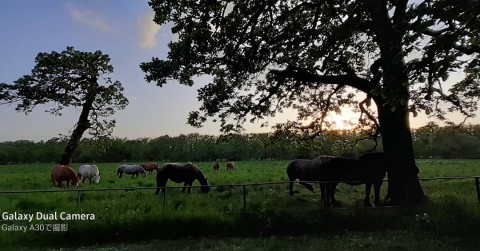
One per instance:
(450, 219)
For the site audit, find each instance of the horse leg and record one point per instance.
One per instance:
(376, 186)
(331, 194)
(324, 194)
(368, 189)
(290, 187)
(184, 187)
(161, 183)
(189, 187)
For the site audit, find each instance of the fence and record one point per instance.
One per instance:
(243, 186)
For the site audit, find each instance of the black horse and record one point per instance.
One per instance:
(368, 169)
(178, 173)
(305, 170)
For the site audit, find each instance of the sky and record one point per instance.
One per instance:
(124, 30)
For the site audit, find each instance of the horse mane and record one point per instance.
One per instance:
(199, 174)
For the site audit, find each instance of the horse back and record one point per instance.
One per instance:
(177, 173)
(304, 169)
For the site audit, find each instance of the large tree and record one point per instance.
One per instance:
(319, 55)
(70, 79)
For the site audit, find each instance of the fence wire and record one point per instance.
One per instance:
(241, 190)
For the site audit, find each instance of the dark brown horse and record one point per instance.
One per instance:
(306, 170)
(368, 169)
(178, 172)
(216, 166)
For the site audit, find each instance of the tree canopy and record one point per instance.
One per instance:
(317, 56)
(70, 79)
(266, 56)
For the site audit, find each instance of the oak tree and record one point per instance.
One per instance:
(317, 56)
(71, 78)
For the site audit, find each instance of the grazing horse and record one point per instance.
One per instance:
(216, 166)
(150, 166)
(230, 165)
(178, 172)
(134, 170)
(89, 172)
(306, 170)
(64, 173)
(368, 169)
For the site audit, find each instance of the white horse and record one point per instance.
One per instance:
(89, 172)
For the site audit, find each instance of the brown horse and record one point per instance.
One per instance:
(150, 166)
(63, 173)
(230, 165)
(216, 166)
(369, 169)
(178, 173)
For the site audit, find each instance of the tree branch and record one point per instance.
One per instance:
(301, 74)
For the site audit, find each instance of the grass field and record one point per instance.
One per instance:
(131, 216)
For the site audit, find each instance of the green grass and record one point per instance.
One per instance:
(387, 240)
(137, 215)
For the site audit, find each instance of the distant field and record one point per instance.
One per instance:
(139, 214)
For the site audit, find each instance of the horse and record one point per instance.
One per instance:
(369, 169)
(150, 166)
(306, 170)
(64, 173)
(230, 165)
(134, 170)
(216, 166)
(89, 172)
(178, 172)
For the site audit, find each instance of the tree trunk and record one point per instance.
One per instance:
(392, 103)
(403, 184)
(82, 125)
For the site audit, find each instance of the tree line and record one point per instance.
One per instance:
(430, 141)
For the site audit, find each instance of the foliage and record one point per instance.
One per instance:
(317, 57)
(267, 56)
(71, 79)
(431, 141)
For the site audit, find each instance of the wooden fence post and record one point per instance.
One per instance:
(244, 198)
(477, 185)
(164, 198)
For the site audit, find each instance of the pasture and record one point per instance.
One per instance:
(128, 215)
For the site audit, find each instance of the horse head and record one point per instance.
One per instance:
(203, 180)
(205, 188)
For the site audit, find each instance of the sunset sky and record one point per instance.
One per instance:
(120, 28)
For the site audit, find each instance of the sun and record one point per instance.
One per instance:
(345, 121)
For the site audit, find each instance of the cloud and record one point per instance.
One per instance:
(90, 18)
(148, 30)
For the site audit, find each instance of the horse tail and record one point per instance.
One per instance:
(291, 170)
(161, 179)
